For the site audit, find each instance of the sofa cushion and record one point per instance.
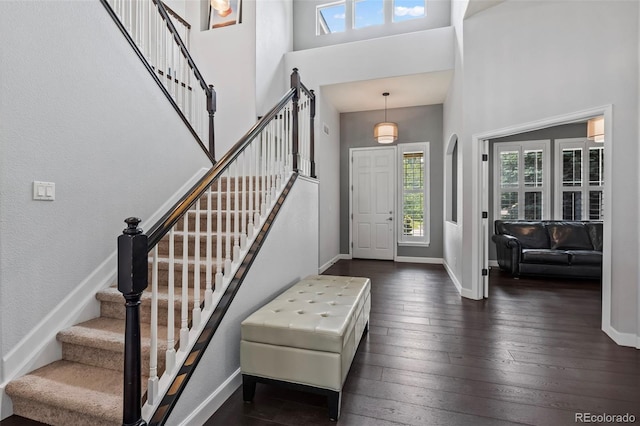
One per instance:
(554, 257)
(595, 233)
(569, 235)
(585, 257)
(531, 235)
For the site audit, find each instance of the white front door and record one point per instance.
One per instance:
(373, 202)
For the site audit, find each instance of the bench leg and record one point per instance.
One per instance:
(333, 398)
(248, 388)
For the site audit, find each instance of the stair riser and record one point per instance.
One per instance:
(163, 245)
(48, 414)
(116, 310)
(235, 200)
(214, 222)
(108, 359)
(242, 183)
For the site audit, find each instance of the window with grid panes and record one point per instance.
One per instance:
(413, 203)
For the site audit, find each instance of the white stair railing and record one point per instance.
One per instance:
(162, 39)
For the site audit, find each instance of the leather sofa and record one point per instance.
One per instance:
(549, 248)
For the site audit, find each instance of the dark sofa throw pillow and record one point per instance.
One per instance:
(568, 235)
(530, 234)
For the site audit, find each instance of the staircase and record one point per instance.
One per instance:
(195, 257)
(85, 386)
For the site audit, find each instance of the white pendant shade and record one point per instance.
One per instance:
(595, 129)
(385, 132)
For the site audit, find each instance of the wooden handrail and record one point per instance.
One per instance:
(175, 15)
(183, 48)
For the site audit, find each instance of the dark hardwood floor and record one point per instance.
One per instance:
(532, 353)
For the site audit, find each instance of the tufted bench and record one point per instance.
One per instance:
(306, 337)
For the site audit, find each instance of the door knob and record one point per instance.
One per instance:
(389, 218)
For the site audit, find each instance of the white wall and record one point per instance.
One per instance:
(546, 68)
(79, 109)
(289, 253)
(327, 161)
(274, 28)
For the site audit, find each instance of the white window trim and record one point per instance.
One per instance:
(584, 144)
(404, 240)
(521, 146)
(330, 4)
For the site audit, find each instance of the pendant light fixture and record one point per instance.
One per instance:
(595, 129)
(385, 132)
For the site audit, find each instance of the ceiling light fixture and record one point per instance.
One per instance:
(385, 132)
(595, 129)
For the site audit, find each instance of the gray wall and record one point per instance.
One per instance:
(304, 24)
(577, 130)
(415, 124)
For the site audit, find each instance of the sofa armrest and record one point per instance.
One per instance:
(509, 251)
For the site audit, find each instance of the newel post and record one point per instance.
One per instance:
(132, 280)
(295, 84)
(211, 108)
(312, 135)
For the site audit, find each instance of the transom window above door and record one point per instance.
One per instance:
(346, 15)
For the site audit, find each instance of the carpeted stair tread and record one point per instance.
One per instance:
(75, 387)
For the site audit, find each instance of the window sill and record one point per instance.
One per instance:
(413, 244)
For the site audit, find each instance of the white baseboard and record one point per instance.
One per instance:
(430, 260)
(40, 347)
(452, 276)
(493, 264)
(330, 263)
(214, 401)
(622, 339)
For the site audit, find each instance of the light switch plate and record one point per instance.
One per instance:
(44, 191)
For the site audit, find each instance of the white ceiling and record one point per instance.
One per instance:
(404, 91)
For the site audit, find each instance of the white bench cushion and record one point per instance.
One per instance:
(318, 313)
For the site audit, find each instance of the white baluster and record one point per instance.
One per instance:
(250, 172)
(272, 160)
(278, 124)
(184, 324)
(129, 16)
(219, 236)
(170, 357)
(227, 245)
(208, 294)
(256, 172)
(263, 172)
(236, 211)
(196, 271)
(242, 160)
(152, 384)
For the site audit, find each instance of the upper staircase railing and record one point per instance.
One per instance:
(200, 247)
(163, 49)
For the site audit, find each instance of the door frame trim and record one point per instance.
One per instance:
(480, 198)
(395, 196)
